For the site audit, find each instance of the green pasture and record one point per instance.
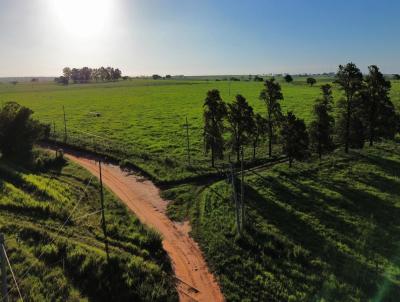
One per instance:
(320, 231)
(51, 222)
(142, 121)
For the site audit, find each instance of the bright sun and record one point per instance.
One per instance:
(82, 18)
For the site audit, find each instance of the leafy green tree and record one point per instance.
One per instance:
(294, 138)
(311, 81)
(380, 114)
(18, 131)
(214, 114)
(67, 73)
(396, 76)
(271, 96)
(288, 78)
(240, 118)
(61, 80)
(350, 80)
(322, 127)
(260, 128)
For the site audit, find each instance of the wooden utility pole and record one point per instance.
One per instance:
(103, 218)
(242, 189)
(187, 141)
(4, 286)
(65, 126)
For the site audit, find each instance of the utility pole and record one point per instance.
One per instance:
(4, 286)
(103, 219)
(242, 189)
(187, 141)
(65, 126)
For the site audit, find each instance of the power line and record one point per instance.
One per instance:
(59, 230)
(12, 273)
(87, 215)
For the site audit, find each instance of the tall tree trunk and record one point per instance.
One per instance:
(254, 150)
(290, 161)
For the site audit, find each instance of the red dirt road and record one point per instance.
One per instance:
(194, 280)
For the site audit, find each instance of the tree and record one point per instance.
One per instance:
(168, 76)
(61, 80)
(322, 127)
(271, 96)
(311, 81)
(350, 80)
(214, 114)
(294, 138)
(116, 74)
(396, 76)
(156, 77)
(18, 131)
(260, 128)
(380, 115)
(85, 75)
(67, 73)
(258, 79)
(288, 78)
(75, 75)
(240, 118)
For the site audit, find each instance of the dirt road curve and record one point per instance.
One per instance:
(195, 282)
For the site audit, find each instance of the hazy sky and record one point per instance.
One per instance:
(40, 37)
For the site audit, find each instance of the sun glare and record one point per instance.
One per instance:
(82, 18)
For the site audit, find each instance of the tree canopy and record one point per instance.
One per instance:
(288, 78)
(271, 96)
(18, 131)
(322, 126)
(214, 114)
(311, 81)
(240, 118)
(350, 80)
(294, 138)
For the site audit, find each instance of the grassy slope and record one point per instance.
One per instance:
(145, 118)
(316, 232)
(69, 264)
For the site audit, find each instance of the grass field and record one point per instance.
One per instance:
(60, 259)
(143, 120)
(317, 232)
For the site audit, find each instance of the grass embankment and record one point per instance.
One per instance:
(142, 121)
(324, 231)
(56, 259)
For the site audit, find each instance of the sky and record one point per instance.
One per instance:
(192, 37)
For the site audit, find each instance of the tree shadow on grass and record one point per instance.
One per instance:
(345, 266)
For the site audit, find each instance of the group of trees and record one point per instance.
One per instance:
(364, 113)
(18, 131)
(158, 77)
(86, 74)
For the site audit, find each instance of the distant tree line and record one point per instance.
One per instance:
(365, 113)
(86, 75)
